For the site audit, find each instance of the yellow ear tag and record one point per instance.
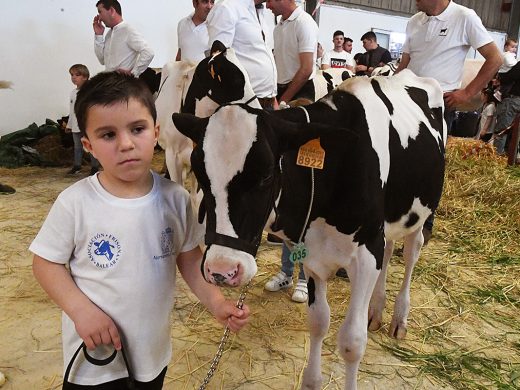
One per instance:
(311, 155)
(212, 72)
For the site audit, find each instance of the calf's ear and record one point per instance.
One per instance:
(217, 46)
(191, 126)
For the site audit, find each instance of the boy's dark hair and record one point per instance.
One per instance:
(107, 88)
(369, 35)
(338, 32)
(349, 40)
(81, 69)
(358, 56)
(107, 4)
(490, 95)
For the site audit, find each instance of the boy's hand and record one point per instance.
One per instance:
(96, 328)
(228, 314)
(68, 130)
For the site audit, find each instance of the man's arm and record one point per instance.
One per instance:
(210, 295)
(92, 324)
(492, 62)
(300, 78)
(403, 64)
(145, 53)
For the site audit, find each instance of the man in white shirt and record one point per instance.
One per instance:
(437, 41)
(295, 42)
(192, 33)
(337, 57)
(236, 24)
(123, 48)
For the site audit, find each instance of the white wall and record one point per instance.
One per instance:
(41, 39)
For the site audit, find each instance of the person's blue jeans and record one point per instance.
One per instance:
(78, 152)
(288, 265)
(78, 149)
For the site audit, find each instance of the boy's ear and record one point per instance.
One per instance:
(157, 131)
(87, 145)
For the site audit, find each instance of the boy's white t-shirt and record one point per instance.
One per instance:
(122, 255)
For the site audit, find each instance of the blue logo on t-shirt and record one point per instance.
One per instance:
(104, 250)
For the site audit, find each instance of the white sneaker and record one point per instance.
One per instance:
(300, 293)
(279, 281)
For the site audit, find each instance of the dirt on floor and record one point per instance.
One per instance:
(271, 352)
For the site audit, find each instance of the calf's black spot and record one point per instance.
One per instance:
(311, 287)
(412, 220)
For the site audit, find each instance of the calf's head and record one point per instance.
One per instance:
(236, 161)
(219, 77)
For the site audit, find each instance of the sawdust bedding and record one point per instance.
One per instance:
(464, 331)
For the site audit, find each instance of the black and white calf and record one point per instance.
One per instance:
(382, 176)
(197, 89)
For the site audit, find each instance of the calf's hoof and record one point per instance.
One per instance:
(397, 330)
(311, 381)
(375, 320)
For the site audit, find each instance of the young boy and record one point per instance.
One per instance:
(121, 232)
(79, 74)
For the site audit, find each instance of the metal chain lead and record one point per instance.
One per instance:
(220, 350)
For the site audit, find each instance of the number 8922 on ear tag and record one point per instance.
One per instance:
(311, 155)
(299, 253)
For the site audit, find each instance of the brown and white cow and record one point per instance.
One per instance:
(383, 141)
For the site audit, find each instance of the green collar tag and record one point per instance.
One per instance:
(299, 253)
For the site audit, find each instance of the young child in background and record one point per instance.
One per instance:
(509, 55)
(108, 250)
(488, 115)
(508, 61)
(79, 74)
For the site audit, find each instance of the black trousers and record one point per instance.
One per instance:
(120, 384)
(305, 92)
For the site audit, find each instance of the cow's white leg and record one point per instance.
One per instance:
(411, 250)
(377, 302)
(318, 319)
(352, 336)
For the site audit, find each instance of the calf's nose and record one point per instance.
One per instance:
(219, 279)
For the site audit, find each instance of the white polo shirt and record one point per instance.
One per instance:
(297, 34)
(123, 47)
(192, 40)
(235, 24)
(438, 45)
